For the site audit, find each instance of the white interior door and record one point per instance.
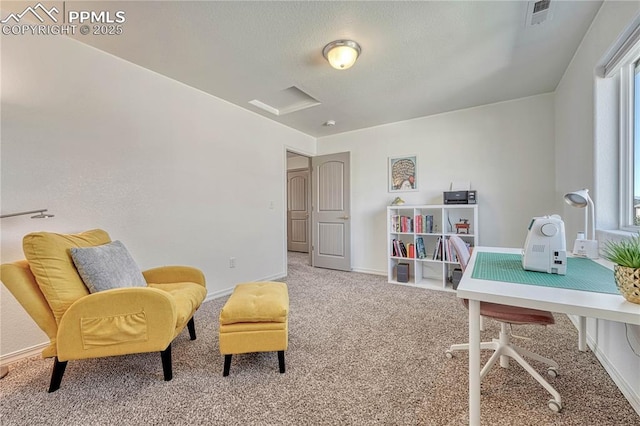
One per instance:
(298, 210)
(330, 210)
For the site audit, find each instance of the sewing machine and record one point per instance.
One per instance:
(545, 247)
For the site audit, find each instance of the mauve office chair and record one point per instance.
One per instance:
(502, 347)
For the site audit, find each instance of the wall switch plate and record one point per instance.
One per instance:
(232, 262)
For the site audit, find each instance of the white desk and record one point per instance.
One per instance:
(582, 303)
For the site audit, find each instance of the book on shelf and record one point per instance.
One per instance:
(437, 250)
(398, 249)
(407, 224)
(401, 223)
(418, 224)
(403, 248)
(443, 250)
(395, 223)
(412, 251)
(428, 222)
(453, 255)
(421, 251)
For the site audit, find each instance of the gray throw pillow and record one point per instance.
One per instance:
(107, 266)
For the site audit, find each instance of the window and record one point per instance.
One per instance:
(635, 192)
(616, 130)
(619, 123)
(630, 145)
(625, 63)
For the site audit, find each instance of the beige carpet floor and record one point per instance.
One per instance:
(361, 352)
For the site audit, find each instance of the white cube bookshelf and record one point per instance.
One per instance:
(409, 224)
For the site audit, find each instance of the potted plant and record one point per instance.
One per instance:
(626, 256)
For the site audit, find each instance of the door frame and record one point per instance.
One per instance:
(308, 155)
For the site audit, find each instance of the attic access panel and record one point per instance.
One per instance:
(285, 101)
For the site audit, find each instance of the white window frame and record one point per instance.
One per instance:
(626, 144)
(621, 61)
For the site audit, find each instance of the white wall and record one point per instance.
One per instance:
(179, 176)
(577, 167)
(506, 150)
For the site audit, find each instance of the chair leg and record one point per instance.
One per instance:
(227, 365)
(498, 354)
(191, 325)
(281, 361)
(524, 364)
(535, 356)
(56, 375)
(166, 363)
(465, 346)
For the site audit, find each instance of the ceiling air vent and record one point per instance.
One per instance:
(539, 12)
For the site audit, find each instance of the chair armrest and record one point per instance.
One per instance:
(117, 322)
(174, 274)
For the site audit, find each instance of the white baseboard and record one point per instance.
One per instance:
(229, 290)
(622, 384)
(16, 356)
(277, 277)
(370, 271)
(218, 294)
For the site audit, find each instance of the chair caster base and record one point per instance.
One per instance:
(554, 405)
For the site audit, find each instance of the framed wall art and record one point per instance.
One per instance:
(402, 173)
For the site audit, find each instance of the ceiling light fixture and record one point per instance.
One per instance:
(342, 54)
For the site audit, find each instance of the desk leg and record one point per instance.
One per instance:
(582, 334)
(474, 363)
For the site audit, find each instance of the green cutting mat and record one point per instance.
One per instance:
(582, 274)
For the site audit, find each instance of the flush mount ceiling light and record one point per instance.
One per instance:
(342, 54)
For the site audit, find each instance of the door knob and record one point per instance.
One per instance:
(344, 217)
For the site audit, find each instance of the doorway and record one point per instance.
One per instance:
(298, 203)
(318, 209)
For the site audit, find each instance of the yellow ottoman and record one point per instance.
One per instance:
(255, 319)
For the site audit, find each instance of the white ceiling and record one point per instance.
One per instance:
(418, 58)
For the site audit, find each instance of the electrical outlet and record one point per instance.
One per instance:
(232, 262)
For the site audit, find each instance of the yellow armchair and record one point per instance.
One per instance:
(119, 321)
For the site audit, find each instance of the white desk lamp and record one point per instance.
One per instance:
(583, 245)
